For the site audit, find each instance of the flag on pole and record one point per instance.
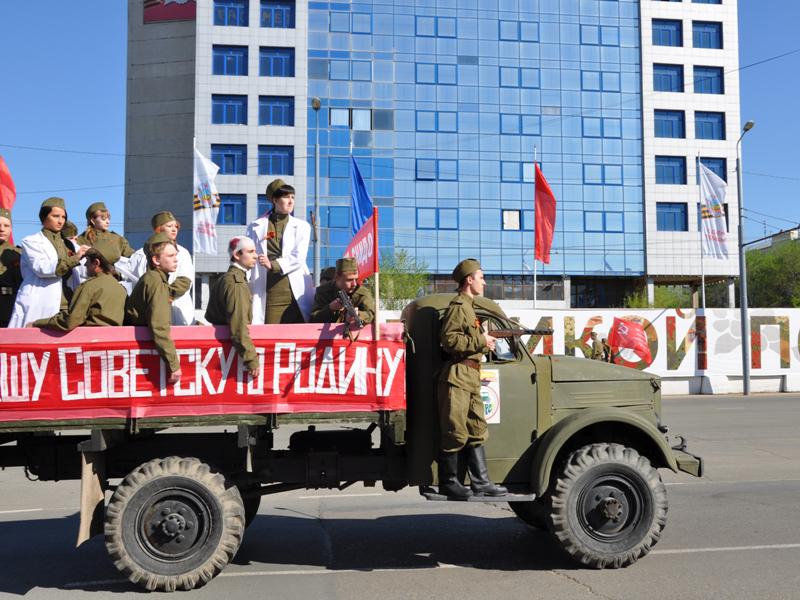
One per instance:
(545, 217)
(630, 334)
(206, 204)
(712, 212)
(8, 191)
(363, 246)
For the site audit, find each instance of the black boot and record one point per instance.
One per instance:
(449, 484)
(479, 474)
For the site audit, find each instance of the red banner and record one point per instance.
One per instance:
(107, 372)
(630, 334)
(364, 248)
(156, 11)
(8, 191)
(545, 205)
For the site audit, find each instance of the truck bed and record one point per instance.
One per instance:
(105, 377)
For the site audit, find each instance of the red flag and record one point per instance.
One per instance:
(364, 246)
(630, 334)
(545, 218)
(8, 191)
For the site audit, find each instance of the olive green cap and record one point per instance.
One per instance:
(108, 249)
(4, 212)
(54, 202)
(273, 187)
(69, 230)
(161, 218)
(328, 273)
(93, 208)
(154, 239)
(346, 265)
(465, 268)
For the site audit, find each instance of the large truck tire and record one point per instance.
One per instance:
(173, 524)
(533, 513)
(609, 506)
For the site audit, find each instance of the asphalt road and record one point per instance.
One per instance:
(735, 534)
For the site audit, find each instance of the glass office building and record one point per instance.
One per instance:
(447, 105)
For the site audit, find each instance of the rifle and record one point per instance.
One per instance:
(510, 333)
(351, 313)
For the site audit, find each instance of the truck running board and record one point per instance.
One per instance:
(506, 498)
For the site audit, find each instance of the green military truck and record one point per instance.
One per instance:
(578, 443)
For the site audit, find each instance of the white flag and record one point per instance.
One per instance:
(206, 204)
(712, 213)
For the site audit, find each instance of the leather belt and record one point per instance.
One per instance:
(7, 291)
(472, 364)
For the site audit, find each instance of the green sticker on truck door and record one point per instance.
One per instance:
(490, 394)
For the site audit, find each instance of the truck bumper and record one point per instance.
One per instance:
(688, 463)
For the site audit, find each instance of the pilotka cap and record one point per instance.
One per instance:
(70, 230)
(346, 265)
(156, 238)
(54, 202)
(273, 187)
(107, 250)
(162, 218)
(4, 212)
(93, 208)
(465, 268)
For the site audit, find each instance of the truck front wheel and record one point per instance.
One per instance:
(609, 506)
(173, 524)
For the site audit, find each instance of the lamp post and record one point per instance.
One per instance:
(745, 319)
(315, 104)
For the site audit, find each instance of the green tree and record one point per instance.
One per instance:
(773, 276)
(402, 277)
(666, 296)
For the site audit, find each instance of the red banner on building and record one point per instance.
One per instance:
(115, 372)
(156, 11)
(364, 247)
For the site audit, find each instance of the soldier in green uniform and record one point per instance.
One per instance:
(10, 277)
(230, 302)
(98, 301)
(461, 413)
(98, 222)
(597, 347)
(327, 306)
(150, 301)
(327, 275)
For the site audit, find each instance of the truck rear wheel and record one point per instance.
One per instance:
(533, 513)
(609, 506)
(173, 524)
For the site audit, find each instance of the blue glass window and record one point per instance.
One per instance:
(446, 27)
(361, 23)
(276, 110)
(510, 171)
(592, 127)
(448, 218)
(667, 32)
(707, 1)
(671, 216)
(531, 125)
(229, 60)
(670, 124)
(338, 217)
(426, 169)
(671, 170)
(426, 120)
(590, 80)
(609, 35)
(275, 160)
(593, 221)
(509, 30)
(707, 34)
(278, 14)
(340, 22)
(228, 110)
(361, 70)
(276, 62)
(709, 80)
(231, 159)
(510, 124)
(426, 218)
(437, 218)
(425, 26)
(232, 209)
(718, 166)
(339, 117)
(590, 34)
(231, 12)
(709, 125)
(509, 77)
(594, 174)
(262, 206)
(339, 69)
(448, 170)
(447, 121)
(668, 78)
(426, 73)
(446, 75)
(361, 119)
(529, 78)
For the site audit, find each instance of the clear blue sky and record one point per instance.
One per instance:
(63, 72)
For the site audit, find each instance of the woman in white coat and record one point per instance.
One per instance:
(44, 264)
(281, 283)
(183, 306)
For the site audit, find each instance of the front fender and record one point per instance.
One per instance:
(553, 440)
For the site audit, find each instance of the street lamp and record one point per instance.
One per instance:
(745, 319)
(316, 104)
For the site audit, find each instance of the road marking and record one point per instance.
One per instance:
(734, 482)
(728, 549)
(22, 510)
(337, 496)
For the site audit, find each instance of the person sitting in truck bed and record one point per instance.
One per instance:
(328, 307)
(151, 300)
(99, 301)
(230, 302)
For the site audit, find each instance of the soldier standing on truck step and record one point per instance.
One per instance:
(597, 347)
(10, 277)
(461, 413)
(327, 306)
(230, 302)
(150, 302)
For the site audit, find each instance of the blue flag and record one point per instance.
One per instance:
(361, 206)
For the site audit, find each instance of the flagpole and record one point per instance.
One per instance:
(702, 252)
(534, 226)
(377, 329)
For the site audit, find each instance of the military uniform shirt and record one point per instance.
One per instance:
(462, 338)
(109, 236)
(66, 262)
(327, 293)
(597, 350)
(98, 301)
(230, 303)
(149, 305)
(10, 280)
